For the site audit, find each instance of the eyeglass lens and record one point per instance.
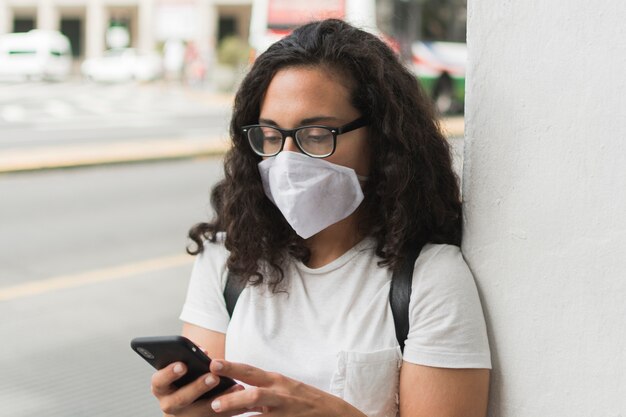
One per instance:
(314, 141)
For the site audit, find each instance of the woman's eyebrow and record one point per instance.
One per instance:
(303, 122)
(267, 122)
(318, 119)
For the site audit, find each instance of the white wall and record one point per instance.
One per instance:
(545, 201)
(6, 18)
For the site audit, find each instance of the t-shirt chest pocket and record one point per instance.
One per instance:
(369, 381)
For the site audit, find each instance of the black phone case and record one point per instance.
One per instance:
(160, 351)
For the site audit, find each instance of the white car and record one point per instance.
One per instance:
(123, 64)
(37, 55)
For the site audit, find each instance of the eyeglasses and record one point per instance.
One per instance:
(314, 141)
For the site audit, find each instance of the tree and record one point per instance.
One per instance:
(442, 20)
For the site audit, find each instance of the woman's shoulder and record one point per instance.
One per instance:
(440, 254)
(204, 305)
(216, 244)
(447, 327)
(214, 252)
(441, 265)
(220, 238)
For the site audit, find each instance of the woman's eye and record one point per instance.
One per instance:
(273, 139)
(316, 138)
(315, 135)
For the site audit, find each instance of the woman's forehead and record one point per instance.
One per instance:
(306, 89)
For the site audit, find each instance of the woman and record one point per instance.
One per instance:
(337, 164)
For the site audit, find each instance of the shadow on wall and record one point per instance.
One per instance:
(496, 390)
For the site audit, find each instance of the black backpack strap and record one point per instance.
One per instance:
(400, 291)
(233, 289)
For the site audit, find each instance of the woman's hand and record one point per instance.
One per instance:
(275, 395)
(180, 401)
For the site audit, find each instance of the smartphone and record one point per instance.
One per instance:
(160, 351)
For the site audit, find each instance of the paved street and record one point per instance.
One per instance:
(74, 112)
(90, 258)
(69, 221)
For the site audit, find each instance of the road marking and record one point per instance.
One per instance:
(92, 277)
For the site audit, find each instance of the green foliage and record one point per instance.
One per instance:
(233, 51)
(444, 20)
(440, 20)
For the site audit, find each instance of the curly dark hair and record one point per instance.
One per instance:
(412, 193)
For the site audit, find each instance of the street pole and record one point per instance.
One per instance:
(409, 13)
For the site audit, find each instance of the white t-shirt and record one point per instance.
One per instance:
(333, 327)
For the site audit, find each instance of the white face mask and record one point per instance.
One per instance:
(311, 193)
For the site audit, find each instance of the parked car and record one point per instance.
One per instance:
(37, 54)
(440, 67)
(123, 64)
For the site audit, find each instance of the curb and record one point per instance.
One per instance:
(453, 126)
(43, 158)
(59, 157)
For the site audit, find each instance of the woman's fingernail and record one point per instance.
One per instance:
(178, 368)
(219, 365)
(215, 405)
(210, 380)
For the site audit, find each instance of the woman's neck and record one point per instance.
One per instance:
(334, 241)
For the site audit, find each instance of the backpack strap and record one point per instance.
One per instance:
(400, 291)
(233, 289)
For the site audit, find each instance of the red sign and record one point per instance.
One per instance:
(287, 14)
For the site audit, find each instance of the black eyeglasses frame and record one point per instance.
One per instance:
(336, 131)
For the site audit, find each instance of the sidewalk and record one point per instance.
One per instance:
(40, 158)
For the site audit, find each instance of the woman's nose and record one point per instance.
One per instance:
(290, 145)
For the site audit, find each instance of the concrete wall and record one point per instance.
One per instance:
(545, 201)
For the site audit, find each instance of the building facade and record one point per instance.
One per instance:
(150, 23)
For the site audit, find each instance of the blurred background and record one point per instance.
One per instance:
(208, 44)
(113, 119)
